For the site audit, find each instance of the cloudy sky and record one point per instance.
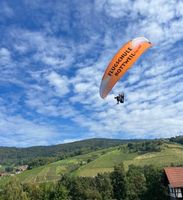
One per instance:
(53, 55)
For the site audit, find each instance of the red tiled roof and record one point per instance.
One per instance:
(175, 176)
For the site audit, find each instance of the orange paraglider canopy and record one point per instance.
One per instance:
(121, 62)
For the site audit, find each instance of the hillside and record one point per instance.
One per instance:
(103, 161)
(170, 154)
(48, 154)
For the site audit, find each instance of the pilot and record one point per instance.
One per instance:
(120, 98)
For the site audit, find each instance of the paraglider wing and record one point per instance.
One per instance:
(121, 62)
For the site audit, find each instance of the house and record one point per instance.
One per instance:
(20, 169)
(174, 180)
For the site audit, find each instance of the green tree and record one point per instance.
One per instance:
(81, 188)
(136, 183)
(61, 192)
(47, 191)
(118, 180)
(155, 187)
(92, 194)
(76, 186)
(104, 186)
(33, 191)
(9, 169)
(13, 190)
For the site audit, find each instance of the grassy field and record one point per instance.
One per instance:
(171, 154)
(101, 161)
(104, 163)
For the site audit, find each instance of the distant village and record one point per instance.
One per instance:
(16, 170)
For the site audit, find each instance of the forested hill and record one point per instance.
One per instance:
(47, 154)
(177, 139)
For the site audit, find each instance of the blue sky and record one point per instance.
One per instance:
(53, 55)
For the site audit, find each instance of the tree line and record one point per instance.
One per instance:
(137, 183)
(146, 146)
(177, 139)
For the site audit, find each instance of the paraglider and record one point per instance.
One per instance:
(121, 62)
(120, 98)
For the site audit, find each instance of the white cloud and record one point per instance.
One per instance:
(17, 131)
(71, 140)
(60, 83)
(50, 51)
(149, 9)
(158, 26)
(117, 8)
(5, 56)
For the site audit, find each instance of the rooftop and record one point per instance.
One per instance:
(175, 176)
